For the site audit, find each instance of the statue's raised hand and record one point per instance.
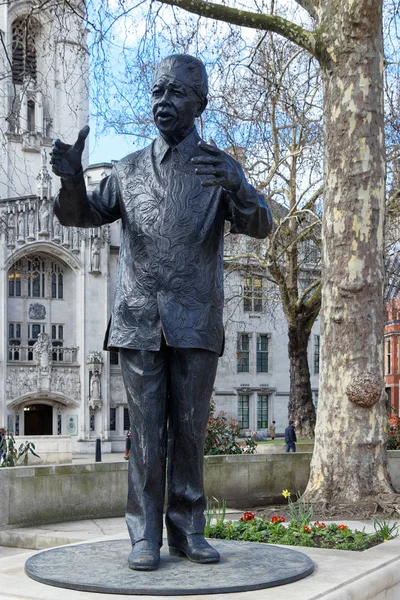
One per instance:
(221, 168)
(66, 160)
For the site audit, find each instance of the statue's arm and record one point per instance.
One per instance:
(74, 206)
(245, 208)
(248, 212)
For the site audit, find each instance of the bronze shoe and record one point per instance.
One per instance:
(194, 547)
(144, 556)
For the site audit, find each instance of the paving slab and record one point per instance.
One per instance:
(60, 534)
(10, 552)
(338, 575)
(70, 532)
(78, 459)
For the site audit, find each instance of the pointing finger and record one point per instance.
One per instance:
(82, 135)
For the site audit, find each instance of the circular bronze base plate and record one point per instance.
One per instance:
(103, 567)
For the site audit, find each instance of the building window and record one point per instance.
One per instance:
(36, 278)
(57, 281)
(57, 341)
(311, 252)
(14, 339)
(243, 353)
(113, 419)
(24, 32)
(14, 280)
(252, 294)
(31, 116)
(92, 420)
(243, 411)
(114, 357)
(262, 353)
(262, 411)
(33, 333)
(316, 354)
(315, 400)
(39, 272)
(127, 423)
(388, 357)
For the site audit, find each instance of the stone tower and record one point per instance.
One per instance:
(45, 283)
(43, 87)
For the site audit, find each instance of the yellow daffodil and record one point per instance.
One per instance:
(286, 493)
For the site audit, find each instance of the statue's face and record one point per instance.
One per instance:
(175, 104)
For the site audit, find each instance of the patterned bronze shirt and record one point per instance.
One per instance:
(170, 277)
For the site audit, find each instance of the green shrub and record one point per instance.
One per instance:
(393, 435)
(222, 436)
(10, 453)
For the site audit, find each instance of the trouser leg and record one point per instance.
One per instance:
(192, 374)
(145, 379)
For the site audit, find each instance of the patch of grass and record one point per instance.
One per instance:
(282, 441)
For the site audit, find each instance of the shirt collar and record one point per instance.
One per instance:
(187, 148)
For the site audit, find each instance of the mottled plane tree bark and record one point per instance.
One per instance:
(350, 462)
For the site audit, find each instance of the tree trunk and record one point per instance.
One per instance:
(350, 462)
(301, 407)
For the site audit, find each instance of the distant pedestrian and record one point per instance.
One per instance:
(2, 437)
(128, 444)
(271, 430)
(290, 437)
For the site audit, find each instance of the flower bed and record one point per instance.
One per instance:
(302, 530)
(314, 535)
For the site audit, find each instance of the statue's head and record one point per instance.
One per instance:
(179, 95)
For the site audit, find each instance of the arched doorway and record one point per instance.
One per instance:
(38, 419)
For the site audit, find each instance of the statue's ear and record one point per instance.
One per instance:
(202, 107)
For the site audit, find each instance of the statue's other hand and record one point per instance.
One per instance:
(222, 168)
(66, 159)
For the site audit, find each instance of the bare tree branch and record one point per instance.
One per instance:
(308, 5)
(300, 36)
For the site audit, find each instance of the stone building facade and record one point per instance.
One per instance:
(57, 283)
(392, 328)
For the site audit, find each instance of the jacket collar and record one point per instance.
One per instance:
(187, 148)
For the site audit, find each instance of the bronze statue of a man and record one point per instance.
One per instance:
(173, 198)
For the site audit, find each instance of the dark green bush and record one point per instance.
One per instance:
(222, 436)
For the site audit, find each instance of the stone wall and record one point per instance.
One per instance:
(246, 481)
(51, 449)
(46, 494)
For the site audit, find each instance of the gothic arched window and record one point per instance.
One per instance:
(57, 281)
(24, 33)
(36, 278)
(14, 279)
(31, 115)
